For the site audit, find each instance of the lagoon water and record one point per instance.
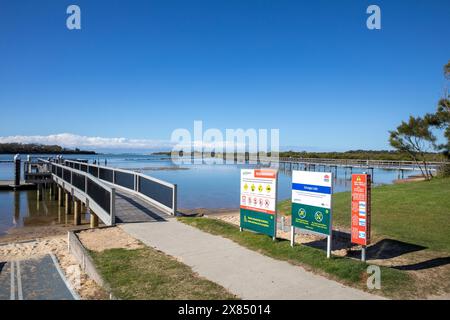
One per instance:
(211, 186)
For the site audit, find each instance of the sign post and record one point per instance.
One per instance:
(361, 211)
(312, 203)
(258, 206)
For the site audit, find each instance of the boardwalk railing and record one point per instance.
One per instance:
(97, 195)
(382, 164)
(159, 193)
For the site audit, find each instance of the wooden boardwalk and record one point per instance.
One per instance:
(357, 164)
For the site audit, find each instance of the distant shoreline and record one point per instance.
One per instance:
(31, 148)
(47, 153)
(385, 155)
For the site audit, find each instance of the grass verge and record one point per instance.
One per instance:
(395, 283)
(148, 274)
(413, 212)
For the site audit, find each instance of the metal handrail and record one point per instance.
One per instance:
(138, 179)
(107, 215)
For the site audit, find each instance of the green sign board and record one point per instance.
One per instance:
(311, 201)
(311, 218)
(258, 221)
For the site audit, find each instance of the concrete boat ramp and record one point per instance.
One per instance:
(38, 278)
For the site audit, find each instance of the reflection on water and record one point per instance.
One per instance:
(21, 209)
(199, 186)
(217, 186)
(6, 171)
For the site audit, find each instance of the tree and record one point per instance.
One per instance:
(416, 139)
(441, 118)
(447, 70)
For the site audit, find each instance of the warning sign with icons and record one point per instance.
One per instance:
(258, 185)
(258, 200)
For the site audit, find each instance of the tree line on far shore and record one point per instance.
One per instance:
(393, 155)
(32, 148)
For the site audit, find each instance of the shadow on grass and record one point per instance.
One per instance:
(387, 249)
(341, 240)
(384, 249)
(433, 263)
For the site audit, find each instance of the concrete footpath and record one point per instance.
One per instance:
(246, 273)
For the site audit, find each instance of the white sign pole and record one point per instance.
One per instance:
(329, 246)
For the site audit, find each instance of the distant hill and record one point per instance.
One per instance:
(32, 148)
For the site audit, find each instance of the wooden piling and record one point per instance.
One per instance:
(39, 192)
(94, 220)
(60, 197)
(77, 212)
(67, 203)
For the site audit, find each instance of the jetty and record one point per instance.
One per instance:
(108, 194)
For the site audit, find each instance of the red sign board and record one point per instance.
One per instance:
(361, 208)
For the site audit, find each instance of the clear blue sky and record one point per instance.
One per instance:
(140, 69)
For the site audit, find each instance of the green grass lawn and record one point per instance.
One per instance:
(352, 272)
(149, 274)
(414, 212)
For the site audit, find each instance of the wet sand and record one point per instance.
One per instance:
(200, 212)
(35, 232)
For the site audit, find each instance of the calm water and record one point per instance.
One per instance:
(199, 186)
(21, 209)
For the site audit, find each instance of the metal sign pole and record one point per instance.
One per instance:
(276, 209)
(363, 248)
(330, 236)
(292, 234)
